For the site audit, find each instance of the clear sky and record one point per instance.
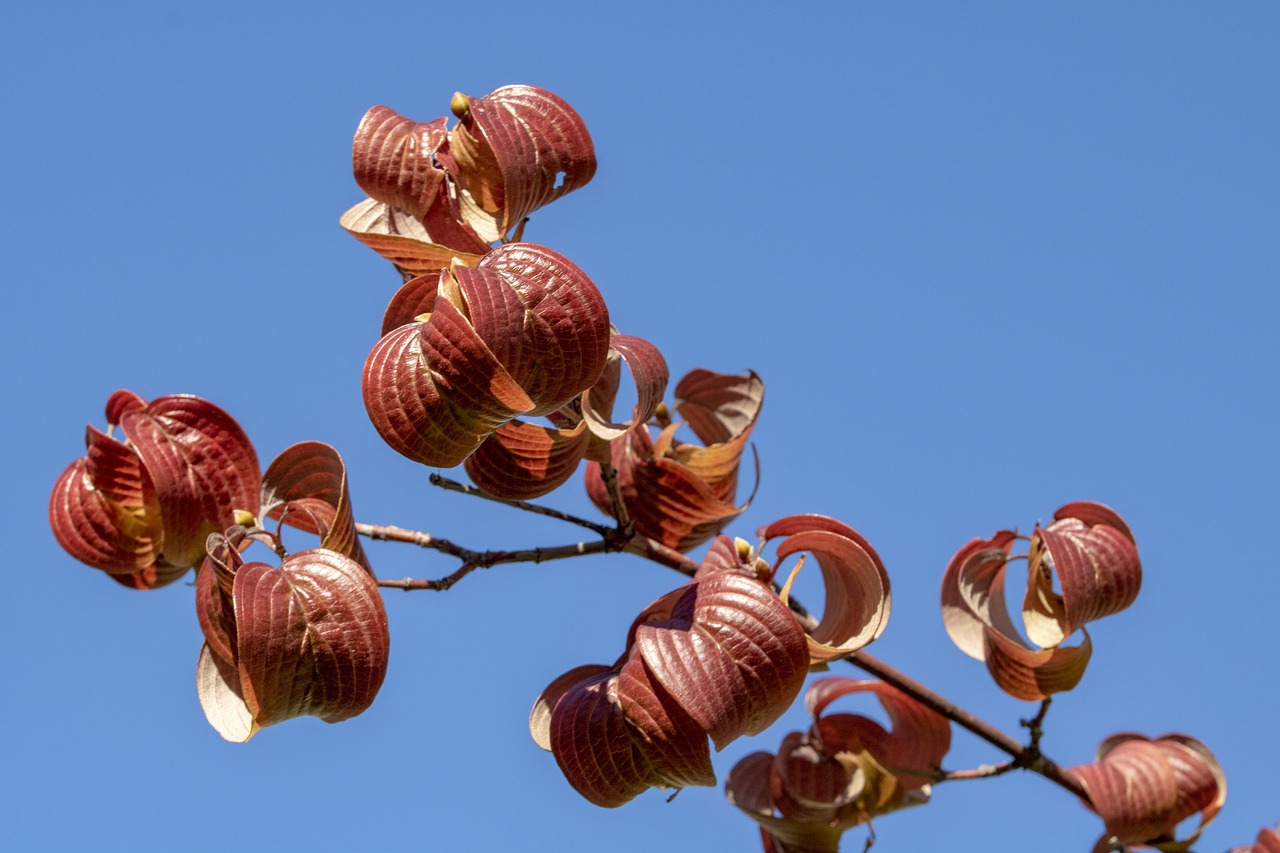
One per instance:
(989, 258)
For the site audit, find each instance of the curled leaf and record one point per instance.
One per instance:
(1143, 788)
(846, 770)
(1090, 552)
(437, 194)
(307, 638)
(523, 460)
(679, 493)
(720, 657)
(857, 599)
(306, 487)
(516, 149)
(522, 333)
(140, 509)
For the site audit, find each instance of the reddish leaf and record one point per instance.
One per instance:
(857, 598)
(544, 706)
(593, 744)
(648, 370)
(393, 158)
(403, 240)
(142, 510)
(437, 194)
(1143, 788)
(735, 662)
(913, 750)
(1091, 551)
(720, 657)
(521, 460)
(307, 638)
(306, 486)
(1095, 557)
(523, 333)
(749, 787)
(846, 770)
(676, 493)
(1268, 841)
(517, 148)
(673, 743)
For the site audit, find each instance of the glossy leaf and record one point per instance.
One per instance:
(1091, 552)
(720, 657)
(857, 599)
(436, 194)
(517, 148)
(523, 460)
(523, 333)
(307, 638)
(677, 493)
(1143, 788)
(141, 510)
(846, 770)
(306, 487)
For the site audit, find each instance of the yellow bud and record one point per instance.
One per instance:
(460, 104)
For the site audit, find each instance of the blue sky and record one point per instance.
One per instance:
(988, 259)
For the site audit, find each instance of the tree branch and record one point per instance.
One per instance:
(472, 560)
(623, 538)
(1025, 757)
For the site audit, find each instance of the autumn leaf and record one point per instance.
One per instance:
(1088, 550)
(844, 771)
(141, 507)
(522, 333)
(437, 194)
(1143, 788)
(719, 658)
(680, 493)
(308, 637)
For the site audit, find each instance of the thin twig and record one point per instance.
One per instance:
(986, 771)
(619, 506)
(462, 488)
(472, 560)
(1035, 725)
